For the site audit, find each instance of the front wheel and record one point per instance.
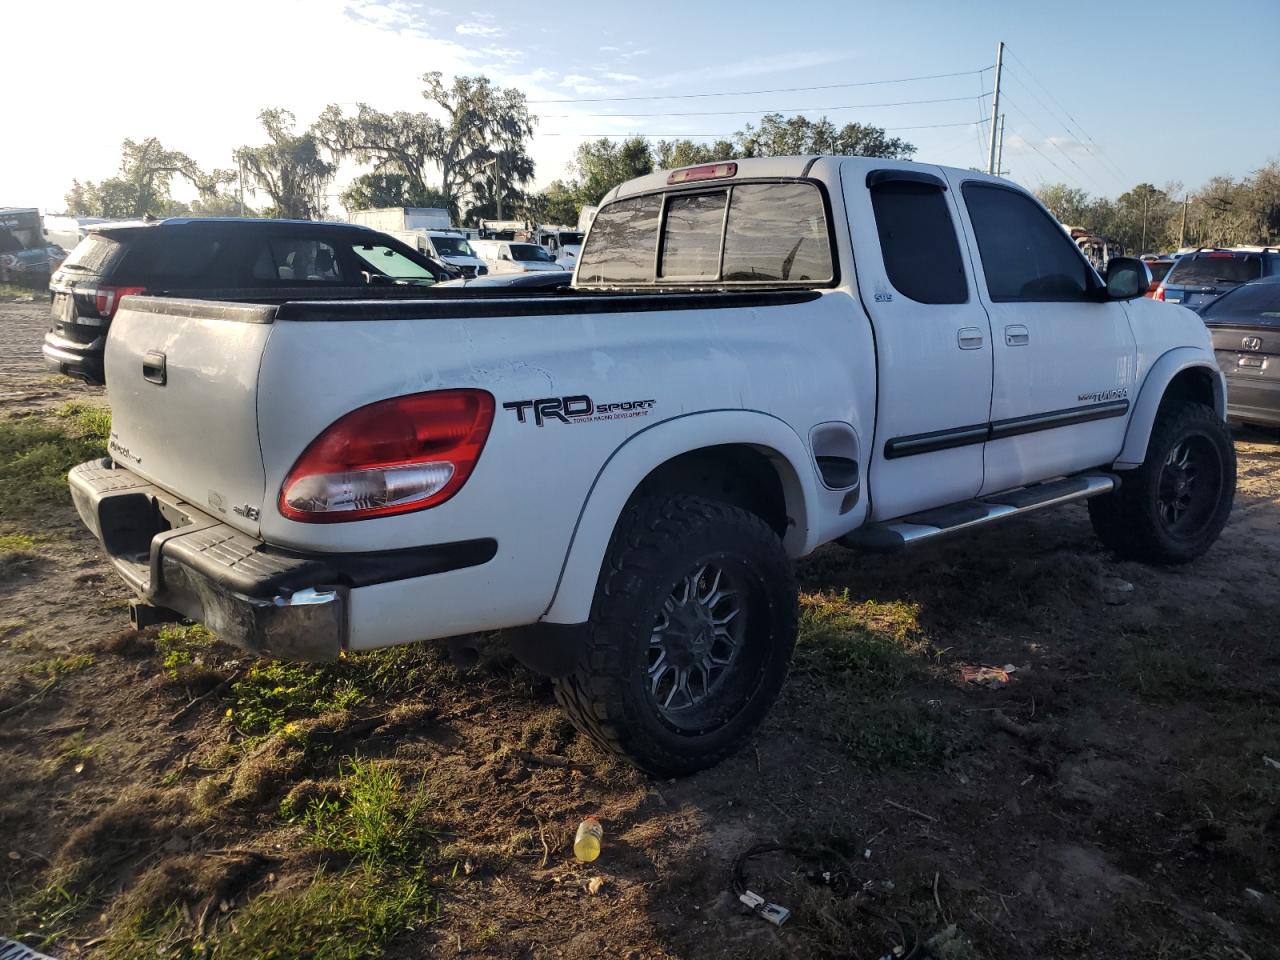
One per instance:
(692, 629)
(1173, 507)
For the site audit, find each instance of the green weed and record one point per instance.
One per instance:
(90, 420)
(873, 648)
(893, 733)
(180, 646)
(374, 816)
(34, 459)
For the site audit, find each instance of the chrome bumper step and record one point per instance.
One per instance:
(890, 536)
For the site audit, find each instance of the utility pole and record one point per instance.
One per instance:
(1000, 170)
(1182, 234)
(240, 164)
(995, 109)
(1146, 200)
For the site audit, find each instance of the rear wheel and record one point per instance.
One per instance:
(1173, 507)
(691, 633)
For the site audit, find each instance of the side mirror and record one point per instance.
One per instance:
(1127, 278)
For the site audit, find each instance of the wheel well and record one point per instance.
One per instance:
(1194, 384)
(733, 473)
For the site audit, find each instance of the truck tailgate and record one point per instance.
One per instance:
(182, 378)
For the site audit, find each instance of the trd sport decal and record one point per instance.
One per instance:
(577, 409)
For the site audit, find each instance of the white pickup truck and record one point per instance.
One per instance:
(755, 358)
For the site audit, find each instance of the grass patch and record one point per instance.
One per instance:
(17, 552)
(34, 459)
(273, 693)
(375, 816)
(53, 669)
(181, 648)
(90, 421)
(873, 648)
(330, 919)
(15, 291)
(892, 733)
(1159, 670)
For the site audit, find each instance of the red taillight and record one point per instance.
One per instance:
(106, 300)
(394, 456)
(708, 171)
(1159, 294)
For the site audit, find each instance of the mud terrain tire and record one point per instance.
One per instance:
(696, 591)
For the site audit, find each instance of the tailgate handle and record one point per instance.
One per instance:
(153, 368)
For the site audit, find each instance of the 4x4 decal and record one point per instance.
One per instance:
(576, 409)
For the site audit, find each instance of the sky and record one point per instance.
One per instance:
(1099, 95)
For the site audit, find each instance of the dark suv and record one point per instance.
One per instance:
(217, 259)
(1199, 278)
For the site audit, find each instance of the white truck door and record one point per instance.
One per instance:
(1064, 359)
(933, 341)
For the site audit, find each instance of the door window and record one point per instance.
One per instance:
(1025, 254)
(383, 261)
(297, 260)
(918, 242)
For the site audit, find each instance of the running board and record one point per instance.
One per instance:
(893, 535)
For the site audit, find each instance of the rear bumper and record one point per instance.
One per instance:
(71, 359)
(268, 601)
(1257, 401)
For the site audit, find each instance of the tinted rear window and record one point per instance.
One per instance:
(1257, 303)
(623, 242)
(1159, 269)
(1215, 268)
(918, 241)
(93, 254)
(172, 256)
(775, 232)
(691, 240)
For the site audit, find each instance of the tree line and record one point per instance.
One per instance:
(1224, 212)
(467, 153)
(471, 150)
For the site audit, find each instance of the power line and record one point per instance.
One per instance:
(726, 136)
(759, 112)
(749, 93)
(1082, 132)
(1050, 140)
(1109, 170)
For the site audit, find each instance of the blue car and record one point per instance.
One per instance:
(1199, 278)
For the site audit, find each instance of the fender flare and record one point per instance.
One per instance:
(640, 454)
(1161, 374)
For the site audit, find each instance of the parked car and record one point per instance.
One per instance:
(1159, 268)
(213, 258)
(513, 256)
(757, 357)
(542, 280)
(1201, 277)
(1245, 323)
(26, 258)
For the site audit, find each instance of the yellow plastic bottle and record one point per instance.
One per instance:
(586, 843)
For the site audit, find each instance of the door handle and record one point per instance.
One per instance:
(154, 368)
(969, 338)
(1016, 335)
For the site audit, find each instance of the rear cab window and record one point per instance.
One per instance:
(1209, 268)
(734, 234)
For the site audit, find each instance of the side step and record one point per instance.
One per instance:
(893, 535)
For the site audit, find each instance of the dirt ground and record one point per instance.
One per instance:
(1119, 796)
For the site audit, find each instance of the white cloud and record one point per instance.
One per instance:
(477, 30)
(621, 77)
(586, 86)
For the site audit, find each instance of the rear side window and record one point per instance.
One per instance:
(777, 231)
(296, 260)
(1158, 268)
(1216, 268)
(918, 242)
(93, 253)
(172, 256)
(1025, 254)
(691, 238)
(622, 243)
